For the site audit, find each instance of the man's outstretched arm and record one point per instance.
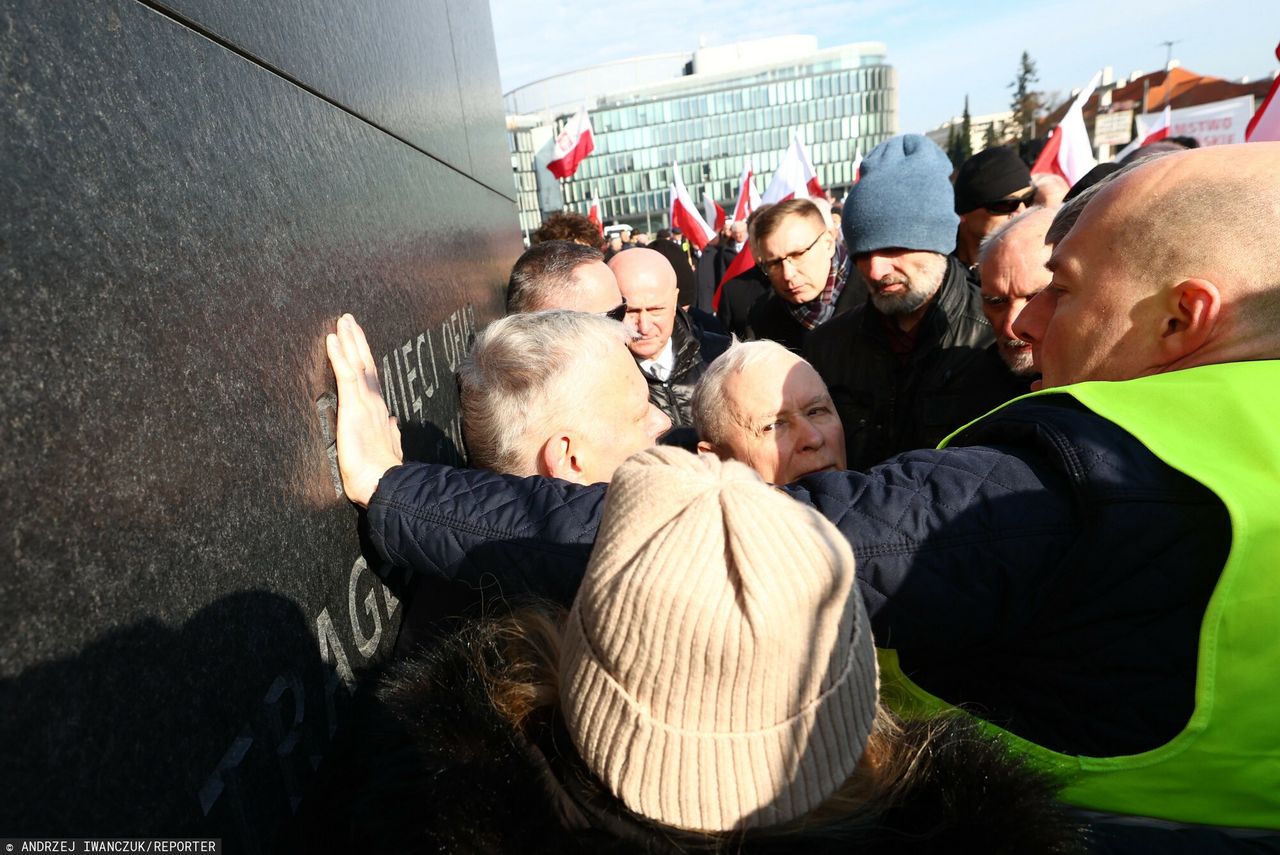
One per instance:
(530, 535)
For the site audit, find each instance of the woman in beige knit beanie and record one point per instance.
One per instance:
(713, 687)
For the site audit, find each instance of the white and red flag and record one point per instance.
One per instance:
(1265, 124)
(748, 197)
(684, 213)
(1148, 134)
(572, 146)
(1068, 152)
(593, 213)
(795, 178)
(714, 214)
(857, 165)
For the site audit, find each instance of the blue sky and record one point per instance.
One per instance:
(941, 50)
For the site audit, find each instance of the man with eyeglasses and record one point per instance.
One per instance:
(793, 245)
(991, 187)
(915, 362)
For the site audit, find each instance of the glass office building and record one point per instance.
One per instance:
(724, 109)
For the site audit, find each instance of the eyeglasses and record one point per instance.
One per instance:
(774, 265)
(618, 312)
(1009, 206)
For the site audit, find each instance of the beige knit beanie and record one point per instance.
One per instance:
(717, 670)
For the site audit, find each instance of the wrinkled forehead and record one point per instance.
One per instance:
(771, 385)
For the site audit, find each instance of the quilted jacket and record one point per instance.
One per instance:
(1043, 567)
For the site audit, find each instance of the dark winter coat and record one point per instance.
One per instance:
(712, 265)
(433, 767)
(736, 299)
(694, 348)
(1042, 568)
(771, 316)
(949, 379)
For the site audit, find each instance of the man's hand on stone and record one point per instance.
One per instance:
(368, 439)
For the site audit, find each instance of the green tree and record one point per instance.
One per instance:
(1027, 104)
(989, 139)
(960, 140)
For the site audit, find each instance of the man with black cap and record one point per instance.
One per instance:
(914, 363)
(991, 187)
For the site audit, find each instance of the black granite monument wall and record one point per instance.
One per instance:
(193, 191)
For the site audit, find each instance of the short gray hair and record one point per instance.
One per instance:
(713, 414)
(519, 377)
(988, 244)
(546, 271)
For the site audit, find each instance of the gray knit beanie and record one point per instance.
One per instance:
(903, 199)
(717, 670)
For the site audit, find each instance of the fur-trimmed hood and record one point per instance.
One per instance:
(435, 768)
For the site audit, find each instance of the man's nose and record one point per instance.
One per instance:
(659, 423)
(1030, 323)
(878, 267)
(811, 438)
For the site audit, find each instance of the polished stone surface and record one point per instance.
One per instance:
(183, 600)
(424, 70)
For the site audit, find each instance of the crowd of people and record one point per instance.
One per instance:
(948, 526)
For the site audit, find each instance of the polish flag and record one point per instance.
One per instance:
(1068, 152)
(714, 213)
(1265, 124)
(1147, 135)
(572, 146)
(857, 165)
(795, 178)
(748, 197)
(684, 214)
(593, 213)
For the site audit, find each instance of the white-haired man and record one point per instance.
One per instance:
(1012, 260)
(763, 405)
(546, 393)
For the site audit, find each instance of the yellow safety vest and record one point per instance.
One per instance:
(1220, 425)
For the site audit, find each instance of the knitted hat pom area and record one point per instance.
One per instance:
(717, 670)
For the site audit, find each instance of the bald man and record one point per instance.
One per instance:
(669, 346)
(1091, 569)
(1012, 260)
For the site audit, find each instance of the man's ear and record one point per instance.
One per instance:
(558, 458)
(1192, 310)
(705, 447)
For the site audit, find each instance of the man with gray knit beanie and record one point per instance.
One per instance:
(912, 364)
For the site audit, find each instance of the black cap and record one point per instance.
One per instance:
(988, 176)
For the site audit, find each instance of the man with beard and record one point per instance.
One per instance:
(1012, 261)
(914, 363)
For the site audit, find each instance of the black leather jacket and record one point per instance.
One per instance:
(889, 406)
(694, 349)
